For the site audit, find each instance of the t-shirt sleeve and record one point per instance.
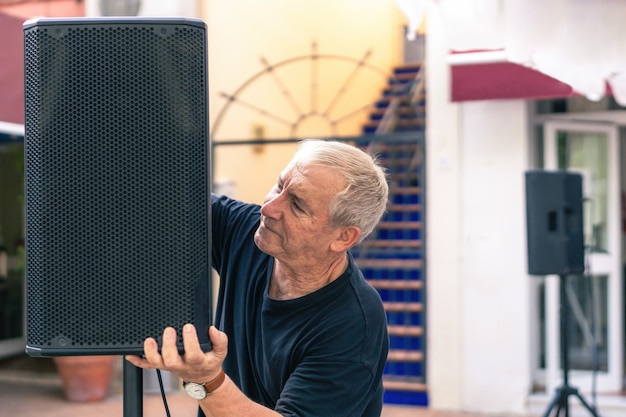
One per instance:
(330, 389)
(230, 226)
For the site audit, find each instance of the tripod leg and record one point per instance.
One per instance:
(562, 401)
(551, 406)
(556, 401)
(592, 410)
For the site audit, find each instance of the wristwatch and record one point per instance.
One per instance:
(201, 391)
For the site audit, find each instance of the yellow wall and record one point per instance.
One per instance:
(244, 31)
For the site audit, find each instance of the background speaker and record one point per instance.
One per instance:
(554, 210)
(117, 183)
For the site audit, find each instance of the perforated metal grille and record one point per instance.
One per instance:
(116, 183)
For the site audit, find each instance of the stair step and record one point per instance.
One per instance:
(403, 99)
(396, 284)
(405, 95)
(403, 177)
(404, 225)
(398, 162)
(403, 77)
(400, 355)
(384, 102)
(412, 123)
(404, 208)
(404, 384)
(390, 263)
(397, 87)
(397, 330)
(409, 307)
(392, 243)
(405, 115)
(405, 108)
(412, 68)
(395, 148)
(405, 190)
(391, 159)
(397, 173)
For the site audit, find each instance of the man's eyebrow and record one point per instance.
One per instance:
(297, 199)
(293, 195)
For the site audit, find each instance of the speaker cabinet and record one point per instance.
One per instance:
(554, 210)
(117, 183)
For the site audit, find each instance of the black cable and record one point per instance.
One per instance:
(167, 410)
(594, 342)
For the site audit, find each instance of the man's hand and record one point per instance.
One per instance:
(194, 365)
(201, 367)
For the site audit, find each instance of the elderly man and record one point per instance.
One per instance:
(301, 333)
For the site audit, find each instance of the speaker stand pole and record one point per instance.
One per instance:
(563, 393)
(132, 390)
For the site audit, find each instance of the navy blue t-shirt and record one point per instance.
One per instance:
(322, 354)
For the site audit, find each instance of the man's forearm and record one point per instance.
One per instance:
(228, 401)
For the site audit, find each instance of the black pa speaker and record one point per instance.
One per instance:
(554, 211)
(117, 183)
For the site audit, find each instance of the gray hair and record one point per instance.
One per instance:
(364, 200)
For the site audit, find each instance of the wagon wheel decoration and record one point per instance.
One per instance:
(324, 110)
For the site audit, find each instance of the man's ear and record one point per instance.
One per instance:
(347, 237)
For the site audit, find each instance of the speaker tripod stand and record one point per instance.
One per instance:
(132, 390)
(561, 397)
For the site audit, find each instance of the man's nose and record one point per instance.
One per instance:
(273, 206)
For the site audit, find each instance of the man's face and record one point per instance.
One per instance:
(294, 217)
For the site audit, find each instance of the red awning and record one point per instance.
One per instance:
(480, 76)
(11, 69)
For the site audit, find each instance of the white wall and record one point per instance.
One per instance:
(443, 227)
(478, 289)
(496, 302)
(181, 8)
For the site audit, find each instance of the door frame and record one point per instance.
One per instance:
(610, 381)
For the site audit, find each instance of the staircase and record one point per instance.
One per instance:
(402, 106)
(392, 258)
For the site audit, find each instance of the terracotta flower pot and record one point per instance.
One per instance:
(85, 378)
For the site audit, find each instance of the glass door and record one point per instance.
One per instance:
(595, 297)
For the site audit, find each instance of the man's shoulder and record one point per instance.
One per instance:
(365, 292)
(229, 213)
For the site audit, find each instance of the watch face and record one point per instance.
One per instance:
(196, 391)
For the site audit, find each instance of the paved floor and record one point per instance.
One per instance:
(30, 395)
(37, 392)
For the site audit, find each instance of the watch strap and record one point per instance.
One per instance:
(215, 383)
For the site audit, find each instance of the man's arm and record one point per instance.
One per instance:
(197, 366)
(228, 400)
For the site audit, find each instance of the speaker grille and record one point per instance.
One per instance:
(554, 222)
(116, 182)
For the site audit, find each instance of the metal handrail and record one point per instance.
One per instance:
(415, 93)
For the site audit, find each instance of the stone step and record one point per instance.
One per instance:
(404, 384)
(390, 263)
(405, 330)
(400, 225)
(401, 355)
(392, 243)
(396, 284)
(398, 306)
